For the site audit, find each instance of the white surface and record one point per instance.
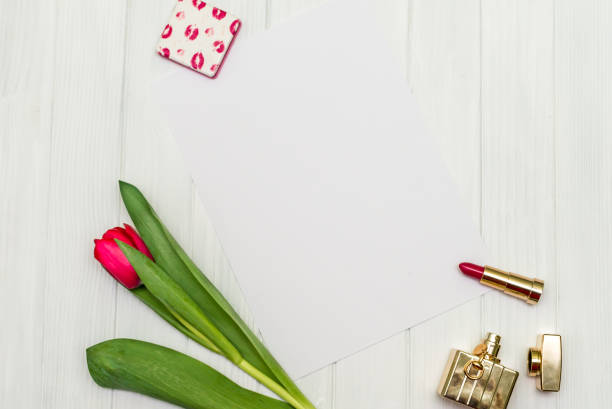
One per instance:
(516, 92)
(335, 209)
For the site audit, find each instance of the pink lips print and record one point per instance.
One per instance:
(191, 32)
(207, 36)
(199, 4)
(234, 27)
(218, 13)
(164, 52)
(220, 46)
(167, 31)
(197, 61)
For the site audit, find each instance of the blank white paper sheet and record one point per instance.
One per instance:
(333, 206)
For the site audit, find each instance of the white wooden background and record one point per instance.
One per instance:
(517, 93)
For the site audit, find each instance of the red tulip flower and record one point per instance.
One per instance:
(108, 253)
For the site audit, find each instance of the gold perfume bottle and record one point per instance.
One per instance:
(478, 380)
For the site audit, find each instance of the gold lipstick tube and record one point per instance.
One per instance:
(516, 285)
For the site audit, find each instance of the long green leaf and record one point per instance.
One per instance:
(170, 376)
(171, 294)
(153, 233)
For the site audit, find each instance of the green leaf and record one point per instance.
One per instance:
(173, 297)
(170, 376)
(171, 257)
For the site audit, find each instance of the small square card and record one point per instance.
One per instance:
(198, 36)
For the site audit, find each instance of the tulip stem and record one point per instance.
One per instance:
(244, 365)
(270, 384)
(204, 340)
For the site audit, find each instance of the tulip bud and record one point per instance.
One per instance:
(108, 253)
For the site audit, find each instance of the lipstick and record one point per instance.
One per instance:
(516, 285)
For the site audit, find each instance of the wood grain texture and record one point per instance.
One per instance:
(27, 52)
(79, 300)
(446, 34)
(517, 95)
(583, 96)
(518, 175)
(25, 141)
(374, 377)
(23, 215)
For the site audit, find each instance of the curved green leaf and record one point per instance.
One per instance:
(170, 376)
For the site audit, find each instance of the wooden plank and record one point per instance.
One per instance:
(445, 34)
(27, 34)
(79, 297)
(518, 175)
(375, 377)
(583, 92)
(25, 71)
(319, 387)
(24, 166)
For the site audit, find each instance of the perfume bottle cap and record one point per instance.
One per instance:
(489, 348)
(545, 362)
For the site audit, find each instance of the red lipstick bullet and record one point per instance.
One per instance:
(516, 285)
(472, 270)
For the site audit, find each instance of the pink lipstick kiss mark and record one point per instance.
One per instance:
(209, 32)
(214, 67)
(180, 51)
(218, 13)
(167, 31)
(180, 15)
(234, 27)
(164, 52)
(199, 4)
(191, 32)
(220, 46)
(197, 61)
